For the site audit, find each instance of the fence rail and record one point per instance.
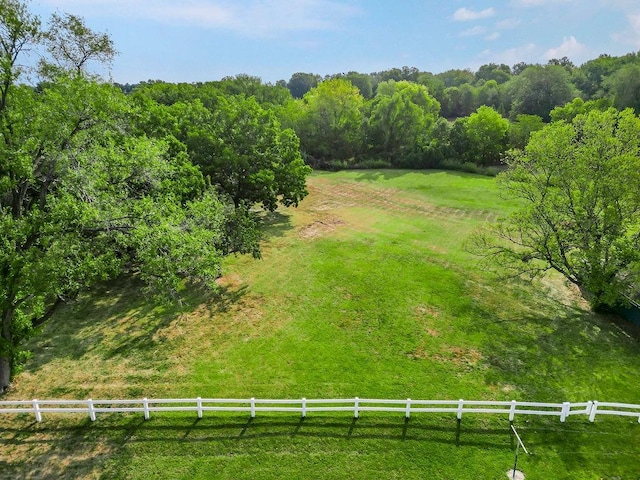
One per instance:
(303, 406)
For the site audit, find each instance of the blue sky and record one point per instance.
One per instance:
(200, 40)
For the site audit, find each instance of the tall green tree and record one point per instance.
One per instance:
(362, 81)
(73, 45)
(486, 133)
(238, 144)
(300, 83)
(520, 131)
(539, 89)
(456, 78)
(434, 85)
(593, 75)
(489, 94)
(577, 107)
(402, 115)
(580, 185)
(248, 155)
(332, 124)
(492, 71)
(459, 101)
(624, 87)
(250, 86)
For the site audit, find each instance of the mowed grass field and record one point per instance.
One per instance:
(364, 290)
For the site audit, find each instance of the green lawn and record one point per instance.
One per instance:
(364, 290)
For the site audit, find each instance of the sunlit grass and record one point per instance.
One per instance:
(365, 290)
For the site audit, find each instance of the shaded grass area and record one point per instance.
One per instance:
(365, 290)
(319, 446)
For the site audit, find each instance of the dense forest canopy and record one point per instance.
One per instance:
(350, 120)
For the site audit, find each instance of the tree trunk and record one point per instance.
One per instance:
(595, 300)
(5, 357)
(5, 373)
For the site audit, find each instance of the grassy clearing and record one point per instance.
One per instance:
(364, 290)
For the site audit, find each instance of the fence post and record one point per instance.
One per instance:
(355, 407)
(460, 405)
(512, 410)
(253, 407)
(36, 410)
(199, 400)
(304, 407)
(566, 407)
(589, 407)
(92, 412)
(145, 405)
(408, 412)
(594, 409)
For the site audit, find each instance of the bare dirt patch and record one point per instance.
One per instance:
(428, 310)
(465, 358)
(320, 227)
(564, 292)
(461, 356)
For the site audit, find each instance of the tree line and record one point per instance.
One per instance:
(407, 118)
(481, 114)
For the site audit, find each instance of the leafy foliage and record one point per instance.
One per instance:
(520, 131)
(402, 113)
(538, 89)
(580, 184)
(486, 135)
(85, 195)
(239, 145)
(300, 83)
(624, 85)
(332, 123)
(72, 44)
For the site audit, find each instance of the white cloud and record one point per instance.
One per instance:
(525, 53)
(626, 5)
(631, 36)
(570, 47)
(532, 53)
(465, 15)
(508, 23)
(472, 32)
(528, 3)
(492, 36)
(538, 3)
(247, 17)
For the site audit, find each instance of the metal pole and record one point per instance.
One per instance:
(515, 463)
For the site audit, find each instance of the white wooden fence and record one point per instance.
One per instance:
(303, 406)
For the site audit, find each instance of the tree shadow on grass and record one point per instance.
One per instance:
(389, 174)
(538, 345)
(227, 297)
(117, 321)
(558, 353)
(564, 357)
(275, 224)
(61, 447)
(67, 447)
(110, 308)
